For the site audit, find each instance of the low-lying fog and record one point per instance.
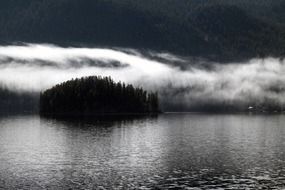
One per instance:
(181, 83)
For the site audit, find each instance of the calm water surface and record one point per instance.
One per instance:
(179, 151)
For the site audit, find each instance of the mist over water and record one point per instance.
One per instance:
(182, 83)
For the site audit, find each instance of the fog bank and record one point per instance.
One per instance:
(37, 67)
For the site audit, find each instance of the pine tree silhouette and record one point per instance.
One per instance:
(97, 95)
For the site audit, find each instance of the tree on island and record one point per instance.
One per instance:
(97, 95)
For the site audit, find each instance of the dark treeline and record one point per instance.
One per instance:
(268, 106)
(97, 95)
(18, 102)
(221, 30)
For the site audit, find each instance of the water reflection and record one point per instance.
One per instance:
(168, 151)
(99, 120)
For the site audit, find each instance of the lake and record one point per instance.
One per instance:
(171, 151)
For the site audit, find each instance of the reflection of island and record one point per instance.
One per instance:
(108, 120)
(97, 96)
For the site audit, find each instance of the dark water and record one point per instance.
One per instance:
(179, 151)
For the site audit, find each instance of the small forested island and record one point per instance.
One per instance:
(97, 95)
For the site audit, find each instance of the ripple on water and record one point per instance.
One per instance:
(189, 152)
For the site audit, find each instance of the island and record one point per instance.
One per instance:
(96, 95)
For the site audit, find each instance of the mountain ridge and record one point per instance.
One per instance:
(218, 30)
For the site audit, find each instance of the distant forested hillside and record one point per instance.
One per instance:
(16, 102)
(221, 30)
